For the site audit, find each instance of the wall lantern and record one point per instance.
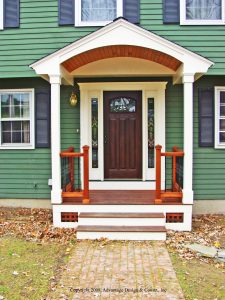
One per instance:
(73, 99)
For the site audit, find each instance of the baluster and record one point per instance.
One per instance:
(158, 174)
(86, 199)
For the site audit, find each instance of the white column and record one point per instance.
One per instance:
(55, 81)
(188, 80)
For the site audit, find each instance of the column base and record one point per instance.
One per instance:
(188, 197)
(56, 196)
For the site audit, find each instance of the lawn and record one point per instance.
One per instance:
(198, 279)
(27, 268)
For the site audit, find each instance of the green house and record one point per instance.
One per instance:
(113, 113)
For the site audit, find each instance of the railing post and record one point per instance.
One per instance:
(71, 149)
(86, 198)
(174, 168)
(158, 199)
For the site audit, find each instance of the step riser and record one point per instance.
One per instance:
(122, 221)
(127, 236)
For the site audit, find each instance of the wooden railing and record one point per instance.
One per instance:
(177, 174)
(70, 184)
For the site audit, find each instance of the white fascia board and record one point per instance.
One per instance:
(1, 15)
(122, 32)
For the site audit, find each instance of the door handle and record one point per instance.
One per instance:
(105, 139)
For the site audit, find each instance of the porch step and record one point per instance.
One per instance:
(122, 232)
(121, 219)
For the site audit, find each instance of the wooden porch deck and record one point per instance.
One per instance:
(121, 197)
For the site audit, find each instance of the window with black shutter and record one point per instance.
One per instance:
(88, 12)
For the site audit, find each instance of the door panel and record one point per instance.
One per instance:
(123, 135)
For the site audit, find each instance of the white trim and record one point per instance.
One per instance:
(1, 14)
(122, 32)
(186, 209)
(18, 146)
(184, 21)
(55, 81)
(79, 22)
(188, 80)
(217, 144)
(154, 90)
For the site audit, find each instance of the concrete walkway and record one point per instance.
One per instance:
(118, 270)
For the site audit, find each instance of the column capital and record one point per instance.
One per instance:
(55, 79)
(188, 78)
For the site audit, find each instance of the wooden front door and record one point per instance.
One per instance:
(123, 135)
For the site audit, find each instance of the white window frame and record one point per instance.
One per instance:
(79, 22)
(184, 21)
(32, 120)
(1, 15)
(218, 89)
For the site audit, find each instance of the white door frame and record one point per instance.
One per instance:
(154, 90)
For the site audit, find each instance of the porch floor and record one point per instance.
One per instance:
(121, 197)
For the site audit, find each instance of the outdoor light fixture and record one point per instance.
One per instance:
(73, 99)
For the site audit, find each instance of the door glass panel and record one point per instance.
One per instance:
(94, 131)
(123, 104)
(151, 133)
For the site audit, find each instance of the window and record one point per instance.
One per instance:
(219, 117)
(202, 12)
(17, 119)
(97, 12)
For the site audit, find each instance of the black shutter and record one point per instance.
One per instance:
(131, 10)
(11, 13)
(171, 11)
(206, 117)
(66, 12)
(42, 118)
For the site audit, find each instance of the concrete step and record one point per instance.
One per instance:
(148, 233)
(121, 219)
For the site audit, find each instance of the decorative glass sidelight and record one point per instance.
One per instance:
(123, 104)
(94, 131)
(151, 133)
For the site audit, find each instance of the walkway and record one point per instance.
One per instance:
(118, 270)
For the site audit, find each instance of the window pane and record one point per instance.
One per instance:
(94, 131)
(203, 9)
(14, 111)
(6, 126)
(5, 112)
(16, 126)
(222, 97)
(123, 104)
(222, 125)
(24, 99)
(151, 135)
(222, 111)
(25, 111)
(222, 137)
(6, 137)
(98, 10)
(16, 137)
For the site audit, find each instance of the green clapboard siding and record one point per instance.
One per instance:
(24, 174)
(208, 163)
(39, 35)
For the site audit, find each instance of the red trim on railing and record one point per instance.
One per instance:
(69, 153)
(176, 189)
